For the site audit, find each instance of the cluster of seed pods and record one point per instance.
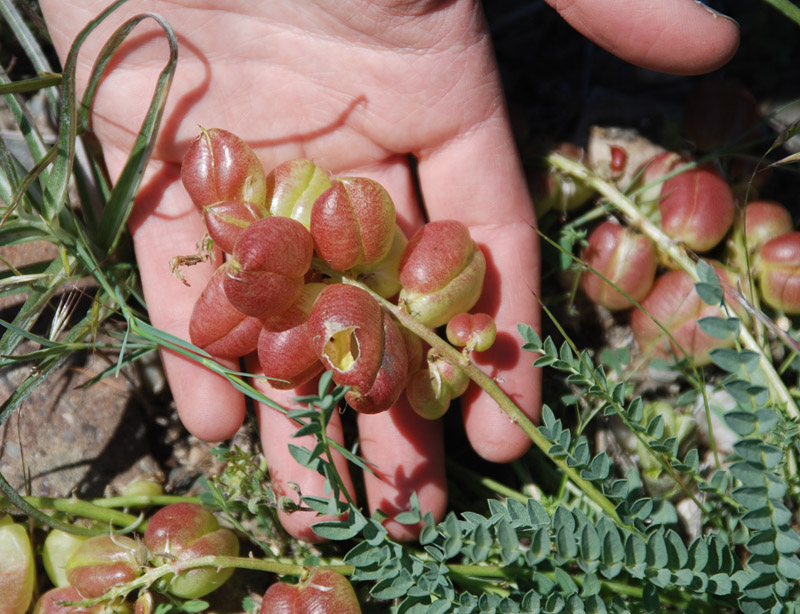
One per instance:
(293, 238)
(86, 568)
(696, 207)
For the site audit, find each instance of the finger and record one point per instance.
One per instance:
(165, 224)
(290, 478)
(478, 179)
(407, 451)
(674, 36)
(408, 457)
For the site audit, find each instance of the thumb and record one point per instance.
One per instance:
(674, 36)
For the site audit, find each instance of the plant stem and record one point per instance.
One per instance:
(676, 253)
(493, 390)
(280, 567)
(84, 509)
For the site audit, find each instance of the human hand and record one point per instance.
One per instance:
(357, 86)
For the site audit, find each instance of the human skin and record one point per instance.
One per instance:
(358, 86)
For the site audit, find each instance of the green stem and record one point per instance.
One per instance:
(493, 390)
(84, 509)
(677, 254)
(787, 8)
(143, 500)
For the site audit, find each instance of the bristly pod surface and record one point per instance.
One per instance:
(353, 223)
(17, 567)
(285, 352)
(323, 591)
(217, 327)
(626, 258)
(185, 531)
(101, 562)
(219, 166)
(265, 274)
(472, 331)
(441, 271)
(779, 273)
(697, 207)
(292, 188)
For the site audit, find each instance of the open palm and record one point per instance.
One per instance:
(363, 88)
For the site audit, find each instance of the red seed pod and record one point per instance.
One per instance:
(626, 258)
(220, 166)
(284, 346)
(51, 602)
(472, 331)
(353, 223)
(651, 174)
(185, 531)
(292, 188)
(287, 357)
(265, 275)
(346, 328)
(675, 304)
(392, 374)
(697, 207)
(323, 591)
(431, 390)
(779, 273)
(217, 327)
(720, 113)
(17, 567)
(765, 220)
(226, 220)
(101, 562)
(441, 271)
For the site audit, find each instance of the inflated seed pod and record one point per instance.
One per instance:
(101, 562)
(183, 531)
(353, 223)
(697, 207)
(346, 328)
(285, 352)
(779, 273)
(676, 305)
(430, 390)
(472, 331)
(441, 271)
(217, 327)
(17, 567)
(219, 166)
(226, 220)
(323, 591)
(58, 547)
(265, 274)
(391, 377)
(765, 220)
(51, 603)
(626, 258)
(292, 188)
